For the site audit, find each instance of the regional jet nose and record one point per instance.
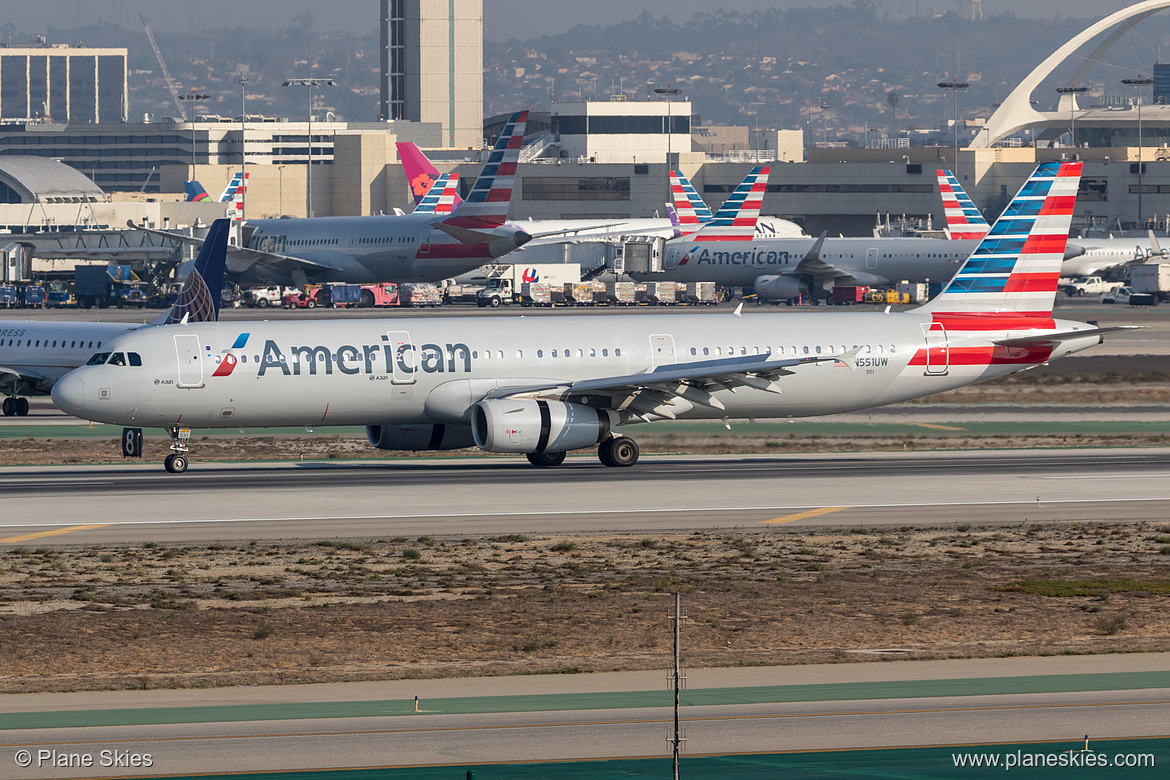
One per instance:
(69, 394)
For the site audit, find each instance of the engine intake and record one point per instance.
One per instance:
(527, 425)
(777, 288)
(415, 438)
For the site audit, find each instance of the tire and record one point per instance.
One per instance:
(1080, 293)
(367, 301)
(262, 303)
(543, 460)
(603, 453)
(9, 407)
(310, 304)
(623, 452)
(494, 302)
(175, 463)
(21, 405)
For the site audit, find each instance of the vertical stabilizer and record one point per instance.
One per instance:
(963, 219)
(1016, 266)
(441, 197)
(736, 218)
(195, 192)
(421, 173)
(199, 299)
(486, 205)
(692, 210)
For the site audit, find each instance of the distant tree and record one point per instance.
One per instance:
(892, 97)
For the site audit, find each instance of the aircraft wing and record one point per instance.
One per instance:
(652, 392)
(811, 265)
(10, 377)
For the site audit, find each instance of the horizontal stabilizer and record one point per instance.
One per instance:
(1051, 338)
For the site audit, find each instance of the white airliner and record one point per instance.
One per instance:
(35, 354)
(418, 247)
(541, 386)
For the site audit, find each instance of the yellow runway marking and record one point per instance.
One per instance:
(936, 427)
(802, 515)
(58, 532)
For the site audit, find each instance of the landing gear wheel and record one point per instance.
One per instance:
(9, 407)
(545, 459)
(21, 405)
(619, 451)
(176, 463)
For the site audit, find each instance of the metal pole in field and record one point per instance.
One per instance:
(1072, 93)
(310, 83)
(667, 92)
(677, 678)
(1139, 83)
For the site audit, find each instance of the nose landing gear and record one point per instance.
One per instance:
(176, 462)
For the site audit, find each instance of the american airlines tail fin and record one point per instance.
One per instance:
(963, 219)
(736, 218)
(235, 188)
(1015, 268)
(692, 210)
(195, 192)
(442, 197)
(198, 301)
(486, 205)
(421, 174)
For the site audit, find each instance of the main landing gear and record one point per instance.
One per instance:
(618, 451)
(15, 407)
(176, 462)
(544, 460)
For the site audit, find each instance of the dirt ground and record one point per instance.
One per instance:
(151, 616)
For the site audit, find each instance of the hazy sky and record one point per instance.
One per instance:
(503, 19)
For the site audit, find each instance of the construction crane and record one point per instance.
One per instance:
(162, 64)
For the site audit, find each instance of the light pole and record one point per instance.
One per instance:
(1072, 93)
(667, 93)
(243, 159)
(1139, 83)
(954, 86)
(310, 83)
(193, 98)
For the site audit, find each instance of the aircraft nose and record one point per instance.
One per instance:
(69, 394)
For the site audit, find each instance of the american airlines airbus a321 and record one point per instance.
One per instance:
(542, 386)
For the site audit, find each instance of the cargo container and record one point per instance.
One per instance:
(844, 295)
(700, 293)
(1151, 279)
(621, 293)
(419, 295)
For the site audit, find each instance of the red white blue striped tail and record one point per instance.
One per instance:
(736, 218)
(692, 211)
(1016, 266)
(486, 205)
(963, 219)
(441, 197)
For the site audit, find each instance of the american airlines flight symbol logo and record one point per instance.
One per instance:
(229, 361)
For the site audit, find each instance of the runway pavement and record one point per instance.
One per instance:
(600, 716)
(82, 504)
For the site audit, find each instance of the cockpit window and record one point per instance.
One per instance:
(135, 358)
(98, 359)
(118, 359)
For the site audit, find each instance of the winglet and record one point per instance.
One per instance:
(738, 310)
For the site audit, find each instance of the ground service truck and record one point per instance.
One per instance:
(504, 285)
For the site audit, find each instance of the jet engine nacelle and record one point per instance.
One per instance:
(777, 288)
(527, 425)
(414, 438)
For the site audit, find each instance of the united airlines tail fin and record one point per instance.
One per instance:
(692, 210)
(736, 218)
(198, 301)
(442, 197)
(195, 192)
(1015, 268)
(420, 172)
(963, 219)
(486, 205)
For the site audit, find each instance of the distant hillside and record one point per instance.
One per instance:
(829, 69)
